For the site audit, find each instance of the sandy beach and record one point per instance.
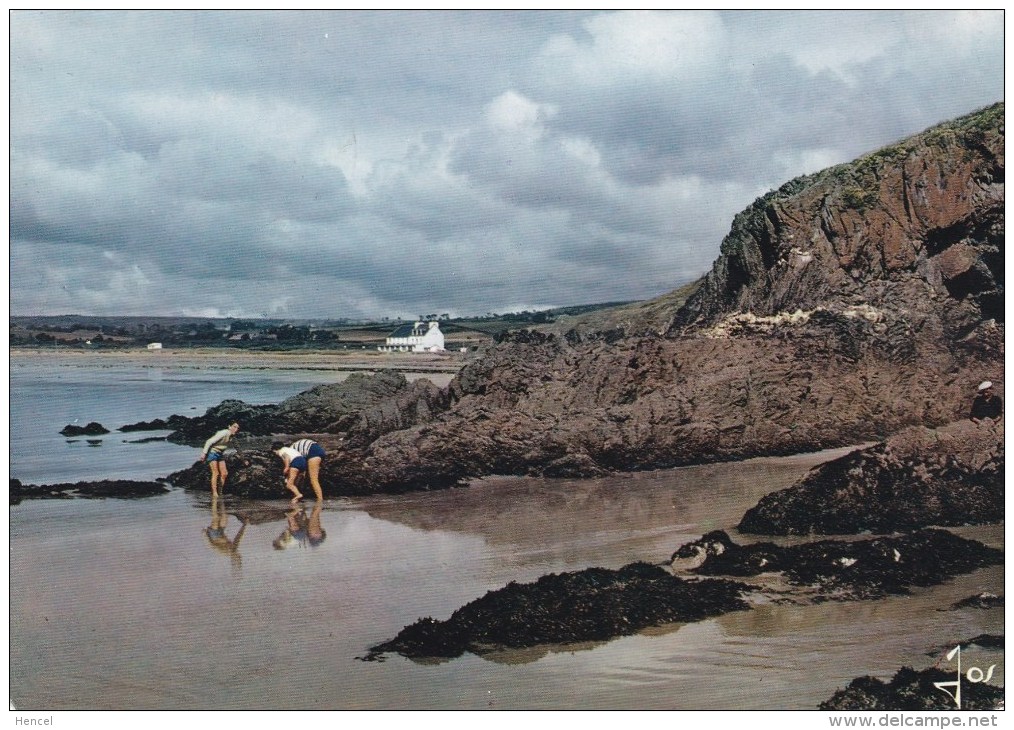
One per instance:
(216, 358)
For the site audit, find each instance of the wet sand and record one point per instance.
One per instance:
(123, 605)
(126, 605)
(221, 358)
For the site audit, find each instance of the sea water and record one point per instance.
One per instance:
(127, 604)
(47, 396)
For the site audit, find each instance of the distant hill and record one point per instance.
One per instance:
(632, 318)
(74, 330)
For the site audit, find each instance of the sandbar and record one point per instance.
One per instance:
(236, 359)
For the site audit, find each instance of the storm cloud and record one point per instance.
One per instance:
(389, 163)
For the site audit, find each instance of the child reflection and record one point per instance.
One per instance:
(216, 533)
(300, 530)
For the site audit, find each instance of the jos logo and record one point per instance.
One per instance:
(973, 675)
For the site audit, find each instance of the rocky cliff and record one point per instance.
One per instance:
(912, 233)
(844, 307)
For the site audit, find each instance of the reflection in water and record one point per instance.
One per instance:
(217, 537)
(383, 562)
(637, 516)
(529, 654)
(301, 530)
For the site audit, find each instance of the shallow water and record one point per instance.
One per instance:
(119, 604)
(127, 605)
(46, 396)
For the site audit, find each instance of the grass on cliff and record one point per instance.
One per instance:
(859, 178)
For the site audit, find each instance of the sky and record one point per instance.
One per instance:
(303, 164)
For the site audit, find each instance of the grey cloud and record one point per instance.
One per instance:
(253, 180)
(301, 162)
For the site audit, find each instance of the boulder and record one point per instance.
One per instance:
(950, 476)
(92, 429)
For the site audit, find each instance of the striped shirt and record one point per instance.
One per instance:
(303, 446)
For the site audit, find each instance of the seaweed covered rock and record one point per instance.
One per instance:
(987, 641)
(949, 476)
(588, 605)
(912, 690)
(256, 472)
(171, 423)
(983, 600)
(253, 419)
(844, 570)
(117, 488)
(92, 429)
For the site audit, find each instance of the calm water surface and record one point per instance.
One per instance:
(128, 605)
(45, 397)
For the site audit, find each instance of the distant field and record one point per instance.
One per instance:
(87, 333)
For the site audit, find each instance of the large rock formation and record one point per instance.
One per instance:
(845, 306)
(345, 418)
(914, 230)
(362, 407)
(950, 476)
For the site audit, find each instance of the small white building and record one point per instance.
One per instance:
(418, 337)
(154, 345)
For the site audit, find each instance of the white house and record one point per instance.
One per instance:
(154, 345)
(418, 337)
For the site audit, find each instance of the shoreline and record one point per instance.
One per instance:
(219, 359)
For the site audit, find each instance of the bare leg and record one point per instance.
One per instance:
(313, 468)
(214, 478)
(290, 484)
(223, 472)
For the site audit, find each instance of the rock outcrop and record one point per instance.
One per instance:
(361, 408)
(114, 488)
(597, 604)
(912, 690)
(91, 429)
(845, 307)
(914, 230)
(345, 418)
(594, 604)
(256, 473)
(949, 476)
(843, 570)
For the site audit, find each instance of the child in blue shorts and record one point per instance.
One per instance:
(214, 454)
